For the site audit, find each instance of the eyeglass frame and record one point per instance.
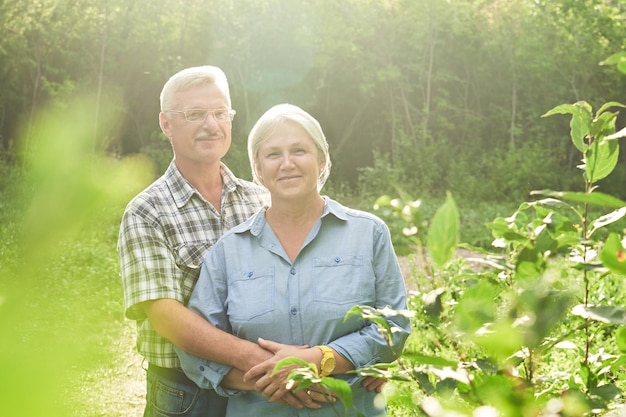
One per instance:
(231, 114)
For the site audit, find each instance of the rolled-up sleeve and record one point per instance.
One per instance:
(207, 299)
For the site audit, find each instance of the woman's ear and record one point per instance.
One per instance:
(322, 164)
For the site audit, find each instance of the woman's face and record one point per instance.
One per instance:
(289, 163)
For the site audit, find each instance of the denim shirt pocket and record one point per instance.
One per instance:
(339, 279)
(251, 294)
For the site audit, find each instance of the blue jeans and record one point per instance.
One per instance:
(171, 394)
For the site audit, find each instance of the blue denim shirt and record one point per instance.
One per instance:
(249, 287)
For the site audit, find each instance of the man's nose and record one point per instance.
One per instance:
(210, 119)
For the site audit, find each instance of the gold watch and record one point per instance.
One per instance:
(327, 366)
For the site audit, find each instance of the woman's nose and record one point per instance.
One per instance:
(286, 161)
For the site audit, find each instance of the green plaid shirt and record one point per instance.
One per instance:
(165, 234)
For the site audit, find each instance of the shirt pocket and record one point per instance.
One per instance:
(251, 294)
(189, 260)
(339, 280)
(191, 256)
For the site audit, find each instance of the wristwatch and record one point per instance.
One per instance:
(327, 366)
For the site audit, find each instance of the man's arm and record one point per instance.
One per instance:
(197, 336)
(193, 334)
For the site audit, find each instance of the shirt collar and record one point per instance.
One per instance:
(334, 208)
(182, 190)
(331, 207)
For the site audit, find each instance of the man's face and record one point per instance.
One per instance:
(202, 142)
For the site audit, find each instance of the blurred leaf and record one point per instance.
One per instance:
(429, 360)
(620, 337)
(530, 264)
(341, 389)
(500, 340)
(443, 233)
(615, 59)
(613, 254)
(604, 314)
(548, 308)
(476, 307)
(433, 304)
(595, 198)
(608, 392)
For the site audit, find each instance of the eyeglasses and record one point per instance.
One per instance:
(200, 115)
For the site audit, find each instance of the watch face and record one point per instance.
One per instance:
(328, 365)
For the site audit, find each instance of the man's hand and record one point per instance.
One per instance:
(274, 387)
(372, 383)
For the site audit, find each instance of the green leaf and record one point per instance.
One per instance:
(600, 159)
(561, 109)
(341, 389)
(476, 306)
(615, 59)
(603, 124)
(613, 255)
(443, 234)
(620, 337)
(289, 362)
(437, 361)
(608, 105)
(607, 219)
(530, 264)
(500, 340)
(595, 198)
(607, 392)
(617, 135)
(382, 201)
(604, 314)
(580, 122)
(433, 304)
(548, 307)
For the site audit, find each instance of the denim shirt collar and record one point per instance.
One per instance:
(256, 223)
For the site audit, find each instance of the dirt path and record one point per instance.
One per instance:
(118, 389)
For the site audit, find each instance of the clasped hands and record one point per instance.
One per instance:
(273, 386)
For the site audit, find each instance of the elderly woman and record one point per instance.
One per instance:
(293, 270)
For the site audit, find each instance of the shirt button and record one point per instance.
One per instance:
(250, 274)
(337, 259)
(293, 271)
(201, 368)
(294, 311)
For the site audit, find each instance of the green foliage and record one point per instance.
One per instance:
(60, 293)
(440, 95)
(537, 328)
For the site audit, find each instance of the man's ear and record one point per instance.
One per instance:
(165, 125)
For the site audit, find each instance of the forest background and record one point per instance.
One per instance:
(420, 96)
(436, 95)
